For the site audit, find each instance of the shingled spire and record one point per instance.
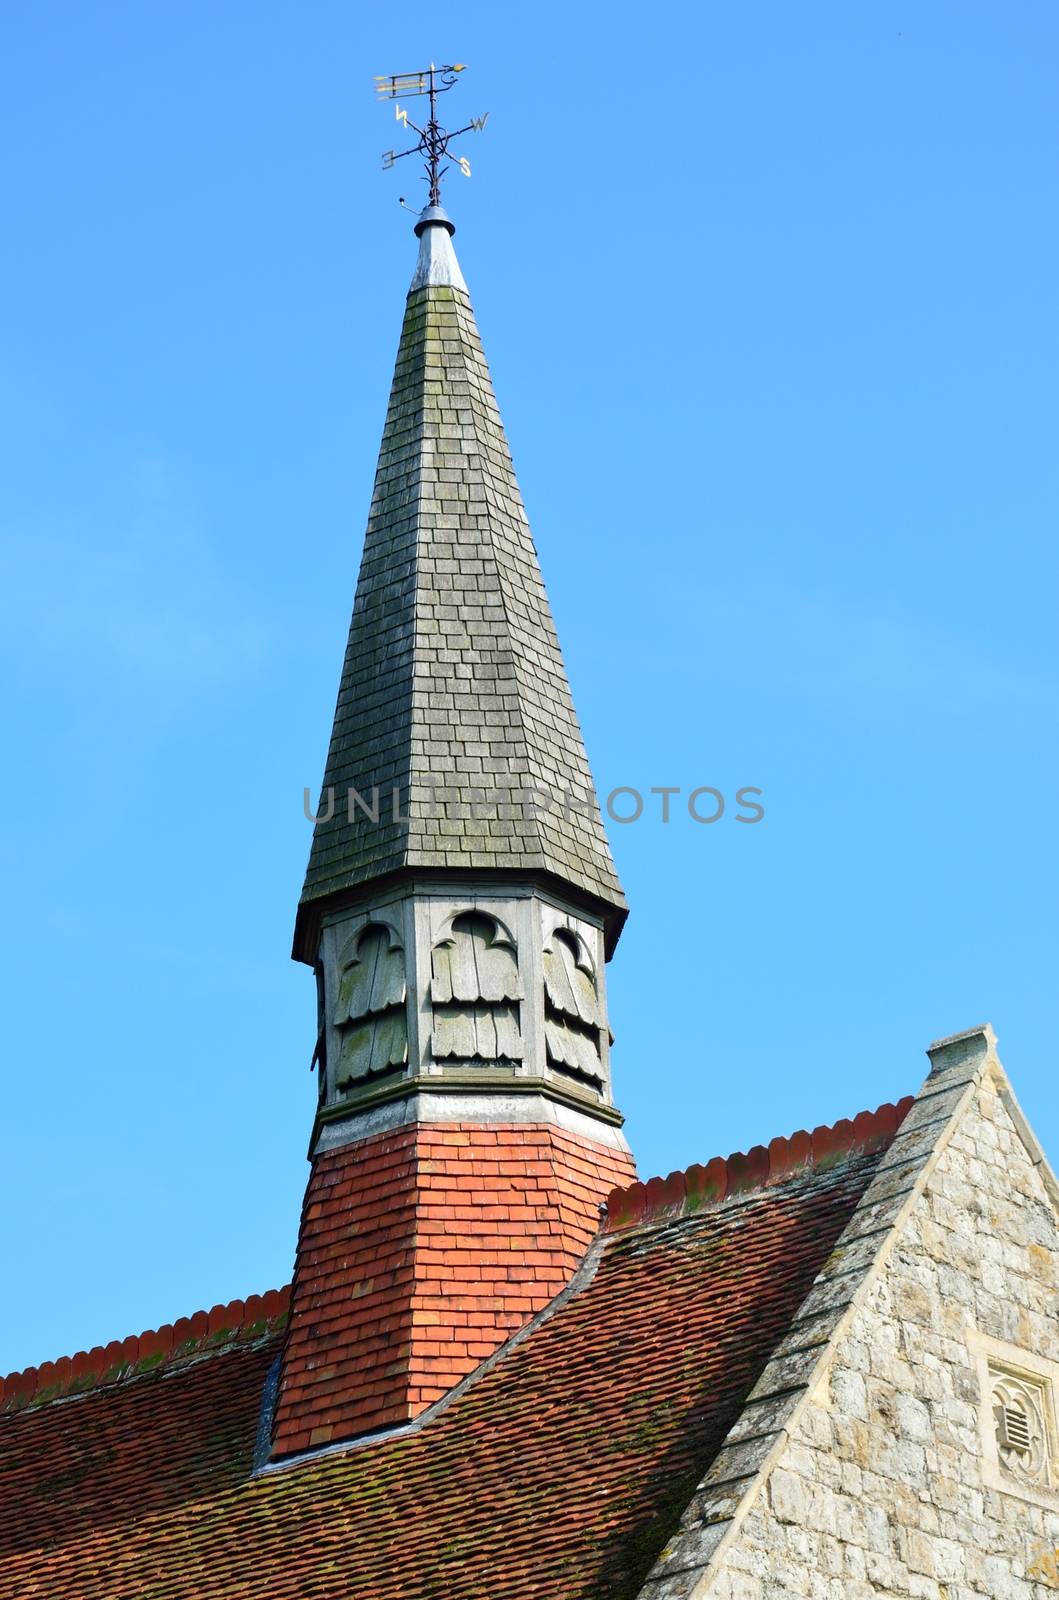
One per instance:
(455, 730)
(456, 774)
(459, 907)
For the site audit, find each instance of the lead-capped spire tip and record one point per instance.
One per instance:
(437, 266)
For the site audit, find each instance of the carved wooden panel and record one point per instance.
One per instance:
(475, 988)
(370, 1010)
(572, 1013)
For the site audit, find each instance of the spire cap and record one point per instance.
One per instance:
(437, 264)
(431, 216)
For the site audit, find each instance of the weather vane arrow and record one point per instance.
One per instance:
(434, 140)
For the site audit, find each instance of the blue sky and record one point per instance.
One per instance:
(768, 293)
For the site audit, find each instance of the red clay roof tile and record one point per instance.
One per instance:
(683, 1193)
(191, 1337)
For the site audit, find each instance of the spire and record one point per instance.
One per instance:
(466, 1133)
(455, 745)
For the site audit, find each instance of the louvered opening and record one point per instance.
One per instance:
(1014, 1430)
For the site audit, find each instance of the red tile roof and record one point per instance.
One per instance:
(557, 1473)
(684, 1193)
(175, 1344)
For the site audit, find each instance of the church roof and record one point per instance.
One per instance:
(559, 1469)
(453, 688)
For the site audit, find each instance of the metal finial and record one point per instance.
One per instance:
(433, 142)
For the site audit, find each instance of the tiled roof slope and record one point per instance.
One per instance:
(558, 1472)
(80, 1472)
(453, 675)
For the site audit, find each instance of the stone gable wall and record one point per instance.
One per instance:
(881, 1490)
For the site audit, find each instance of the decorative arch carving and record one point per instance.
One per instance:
(382, 919)
(502, 934)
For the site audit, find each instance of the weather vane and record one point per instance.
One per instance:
(433, 140)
